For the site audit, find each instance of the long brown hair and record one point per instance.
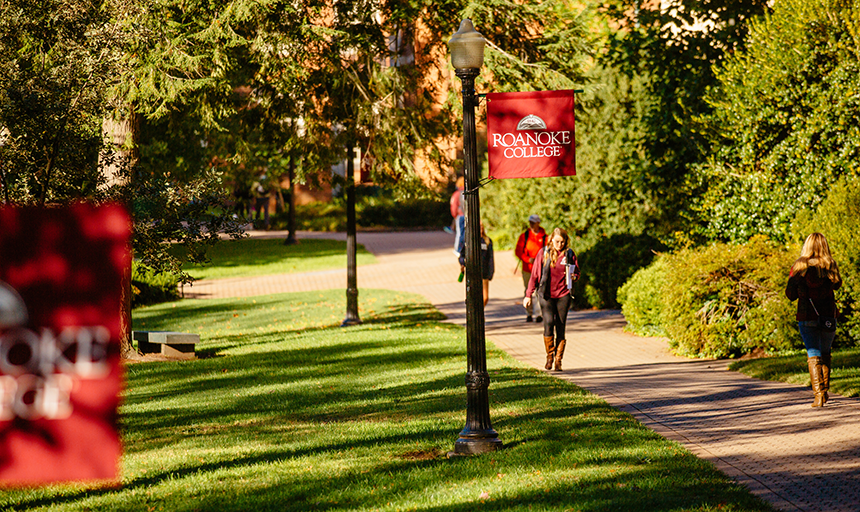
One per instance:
(816, 254)
(553, 254)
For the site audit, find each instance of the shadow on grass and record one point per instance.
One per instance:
(332, 393)
(393, 481)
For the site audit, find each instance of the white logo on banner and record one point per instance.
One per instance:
(531, 122)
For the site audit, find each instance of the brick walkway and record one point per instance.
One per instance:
(763, 434)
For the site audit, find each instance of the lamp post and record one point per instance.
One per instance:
(351, 278)
(478, 436)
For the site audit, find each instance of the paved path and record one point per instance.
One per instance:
(763, 434)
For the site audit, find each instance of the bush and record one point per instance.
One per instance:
(726, 300)
(608, 265)
(641, 299)
(150, 288)
(373, 209)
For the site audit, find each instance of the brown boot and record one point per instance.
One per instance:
(559, 353)
(825, 378)
(814, 364)
(550, 351)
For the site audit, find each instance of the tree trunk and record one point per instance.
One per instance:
(118, 164)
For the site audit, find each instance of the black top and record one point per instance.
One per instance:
(811, 286)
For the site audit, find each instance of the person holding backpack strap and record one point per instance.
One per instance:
(532, 241)
(553, 274)
(812, 279)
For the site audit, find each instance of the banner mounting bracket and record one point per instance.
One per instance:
(481, 183)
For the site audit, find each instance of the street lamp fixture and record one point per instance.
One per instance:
(478, 436)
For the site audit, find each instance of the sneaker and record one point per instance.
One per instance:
(539, 319)
(529, 318)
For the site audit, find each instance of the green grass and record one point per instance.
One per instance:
(844, 370)
(255, 257)
(286, 411)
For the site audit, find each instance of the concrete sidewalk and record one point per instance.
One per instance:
(763, 434)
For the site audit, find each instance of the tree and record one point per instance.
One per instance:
(784, 124)
(55, 58)
(66, 68)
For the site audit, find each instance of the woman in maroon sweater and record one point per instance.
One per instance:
(554, 271)
(812, 280)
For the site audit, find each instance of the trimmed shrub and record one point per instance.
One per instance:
(641, 299)
(726, 300)
(150, 288)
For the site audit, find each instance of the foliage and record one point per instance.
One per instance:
(635, 144)
(55, 59)
(608, 265)
(532, 45)
(838, 217)
(291, 412)
(151, 288)
(641, 298)
(374, 209)
(785, 124)
(726, 300)
(792, 368)
(666, 51)
(70, 69)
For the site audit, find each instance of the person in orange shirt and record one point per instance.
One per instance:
(528, 246)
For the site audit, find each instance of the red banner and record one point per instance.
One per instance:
(531, 134)
(60, 371)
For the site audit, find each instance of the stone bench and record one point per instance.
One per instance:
(173, 344)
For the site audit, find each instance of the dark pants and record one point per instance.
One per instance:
(555, 316)
(261, 209)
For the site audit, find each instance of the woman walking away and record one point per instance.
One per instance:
(488, 264)
(811, 282)
(554, 271)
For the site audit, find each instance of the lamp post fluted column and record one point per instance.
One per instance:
(478, 436)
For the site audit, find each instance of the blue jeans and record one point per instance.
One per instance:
(459, 232)
(817, 341)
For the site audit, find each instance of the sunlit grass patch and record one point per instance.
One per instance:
(255, 256)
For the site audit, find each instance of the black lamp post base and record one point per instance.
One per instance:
(476, 445)
(350, 321)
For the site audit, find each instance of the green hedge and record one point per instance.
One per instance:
(373, 209)
(642, 299)
(724, 300)
(150, 288)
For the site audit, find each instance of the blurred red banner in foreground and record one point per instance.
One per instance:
(60, 370)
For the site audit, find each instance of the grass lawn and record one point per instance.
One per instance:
(287, 411)
(844, 370)
(254, 257)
